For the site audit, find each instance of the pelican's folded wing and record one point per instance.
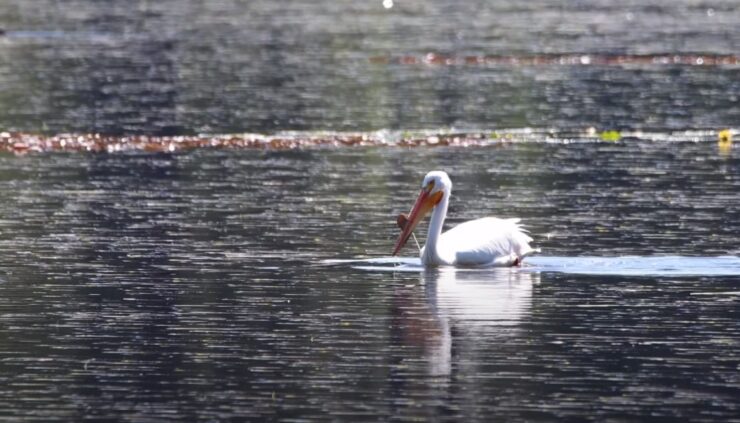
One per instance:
(487, 242)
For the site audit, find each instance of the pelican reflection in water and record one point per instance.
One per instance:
(462, 308)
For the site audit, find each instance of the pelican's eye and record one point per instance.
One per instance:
(429, 187)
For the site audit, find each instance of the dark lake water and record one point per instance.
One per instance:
(194, 286)
(188, 66)
(250, 284)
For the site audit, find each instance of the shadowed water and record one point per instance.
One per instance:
(194, 286)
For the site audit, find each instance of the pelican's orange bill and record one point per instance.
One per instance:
(425, 202)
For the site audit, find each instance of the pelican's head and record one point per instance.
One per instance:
(434, 188)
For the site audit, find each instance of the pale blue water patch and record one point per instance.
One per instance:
(382, 264)
(584, 265)
(47, 35)
(638, 265)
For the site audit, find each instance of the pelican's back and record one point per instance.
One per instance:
(489, 241)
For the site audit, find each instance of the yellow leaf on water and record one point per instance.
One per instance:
(724, 136)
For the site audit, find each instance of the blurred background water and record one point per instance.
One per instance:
(192, 286)
(179, 66)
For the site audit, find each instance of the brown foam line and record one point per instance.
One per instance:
(20, 143)
(23, 143)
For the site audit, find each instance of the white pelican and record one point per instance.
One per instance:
(489, 241)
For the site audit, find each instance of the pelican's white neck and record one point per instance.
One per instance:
(439, 213)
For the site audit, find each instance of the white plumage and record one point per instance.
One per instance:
(489, 241)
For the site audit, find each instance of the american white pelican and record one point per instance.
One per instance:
(482, 242)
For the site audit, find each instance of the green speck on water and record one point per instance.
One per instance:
(611, 136)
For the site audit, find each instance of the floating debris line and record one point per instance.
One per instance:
(23, 143)
(436, 59)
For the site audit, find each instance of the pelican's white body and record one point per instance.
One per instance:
(489, 241)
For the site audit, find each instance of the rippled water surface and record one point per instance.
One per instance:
(194, 286)
(198, 203)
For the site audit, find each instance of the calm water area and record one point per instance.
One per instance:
(256, 284)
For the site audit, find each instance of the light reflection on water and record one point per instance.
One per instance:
(193, 286)
(473, 305)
